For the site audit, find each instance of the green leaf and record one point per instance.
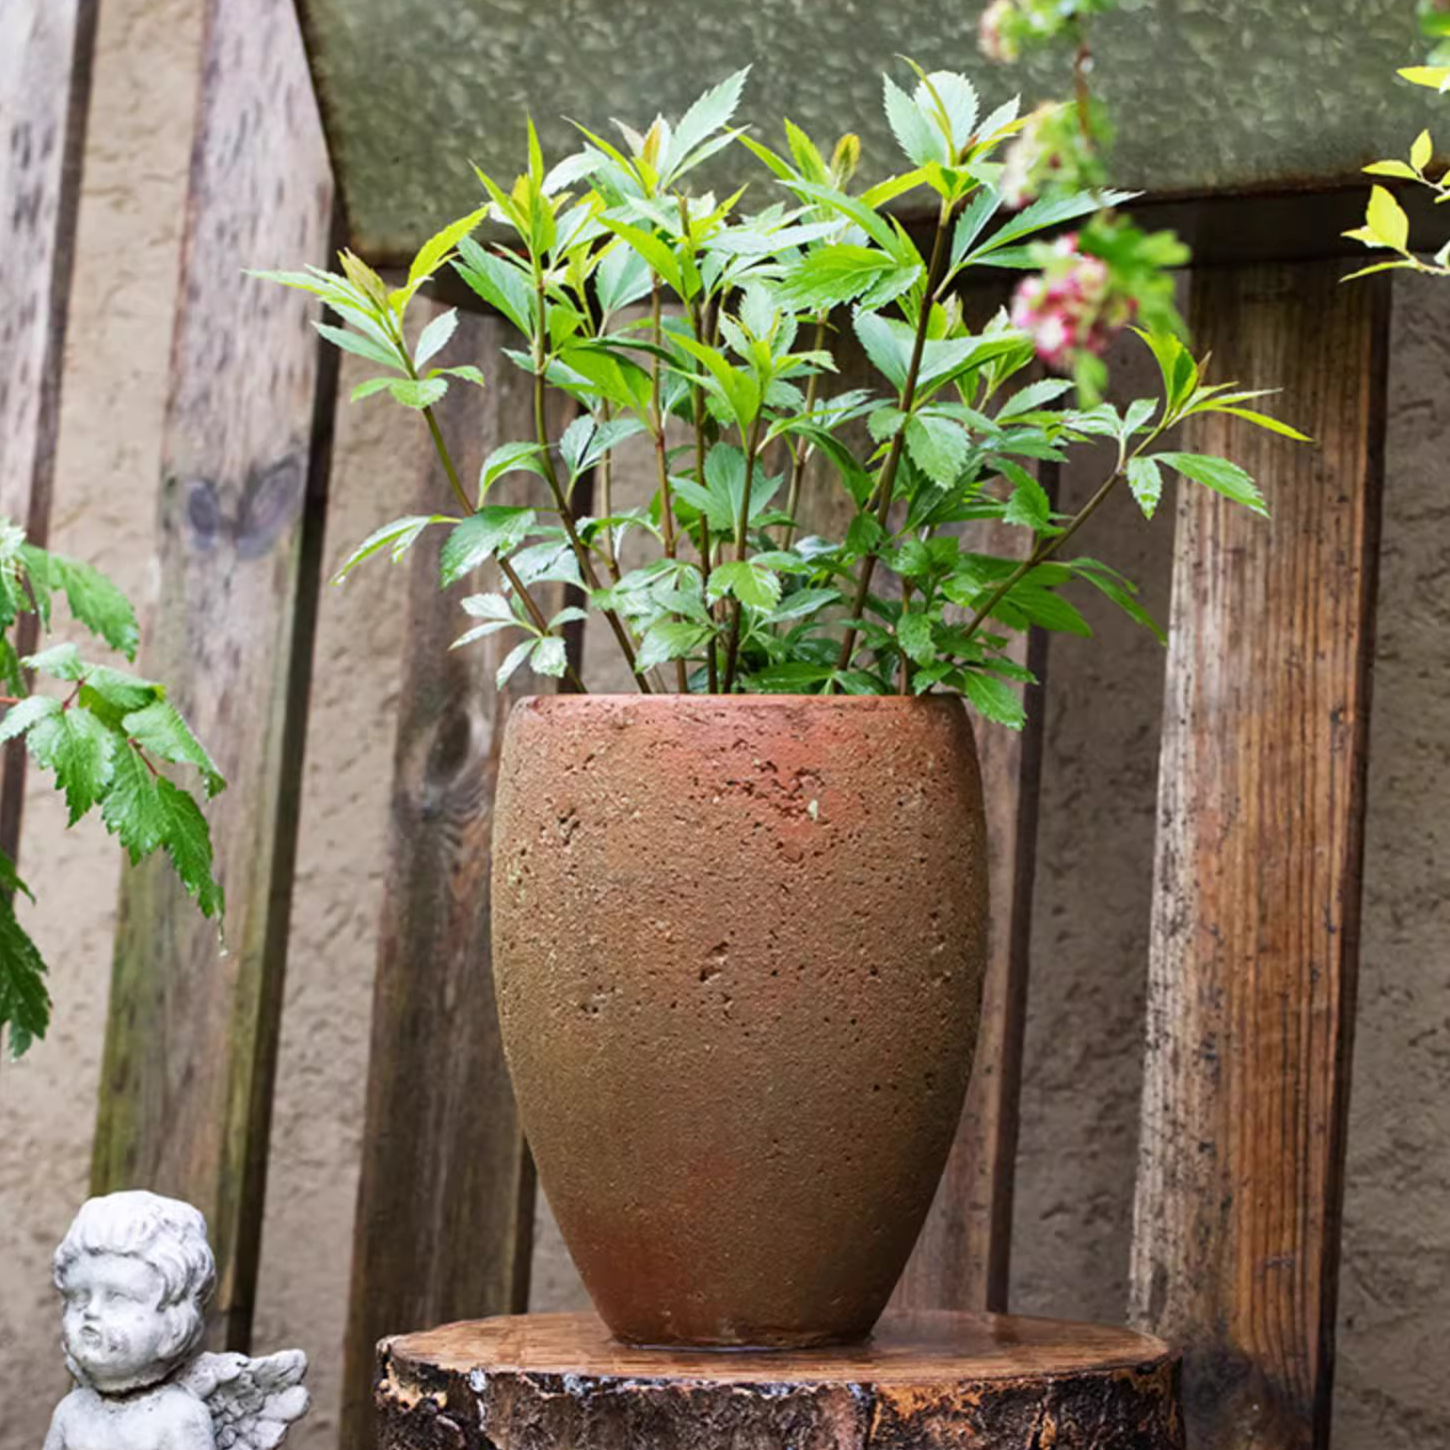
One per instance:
(132, 807)
(915, 134)
(871, 222)
(883, 346)
(1386, 219)
(706, 116)
(515, 657)
(1033, 397)
(669, 640)
(117, 689)
(161, 729)
(1262, 420)
(400, 536)
(418, 393)
(435, 251)
(658, 253)
(550, 657)
(758, 588)
(830, 276)
(1218, 474)
(994, 700)
(187, 839)
(60, 662)
(1393, 168)
(24, 1002)
(1029, 505)
(360, 345)
(1145, 479)
(434, 338)
(586, 440)
(509, 458)
(494, 529)
(1049, 211)
(972, 222)
(938, 446)
(913, 633)
(79, 749)
(498, 282)
(1121, 591)
(1435, 77)
(93, 599)
(20, 717)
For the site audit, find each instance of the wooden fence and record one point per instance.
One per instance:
(1253, 956)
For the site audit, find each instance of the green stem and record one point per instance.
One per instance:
(886, 480)
(551, 477)
(541, 621)
(667, 511)
(798, 462)
(742, 526)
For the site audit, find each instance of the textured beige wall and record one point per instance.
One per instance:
(1080, 1094)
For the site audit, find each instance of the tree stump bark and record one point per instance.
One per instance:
(925, 1381)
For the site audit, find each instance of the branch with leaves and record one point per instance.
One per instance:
(107, 737)
(1386, 225)
(676, 320)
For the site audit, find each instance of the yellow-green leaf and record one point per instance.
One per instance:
(1421, 151)
(1386, 219)
(1436, 77)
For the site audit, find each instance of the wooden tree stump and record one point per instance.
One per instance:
(926, 1381)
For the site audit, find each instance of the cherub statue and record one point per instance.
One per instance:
(136, 1272)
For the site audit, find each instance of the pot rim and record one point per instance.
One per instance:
(678, 701)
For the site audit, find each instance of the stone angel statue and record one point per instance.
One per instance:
(135, 1273)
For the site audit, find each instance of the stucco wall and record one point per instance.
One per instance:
(1080, 1094)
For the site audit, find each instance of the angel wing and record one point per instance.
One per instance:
(253, 1402)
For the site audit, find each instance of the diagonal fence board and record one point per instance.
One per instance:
(192, 1032)
(45, 86)
(446, 1197)
(1256, 898)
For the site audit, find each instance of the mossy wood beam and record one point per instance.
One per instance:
(191, 1040)
(1256, 903)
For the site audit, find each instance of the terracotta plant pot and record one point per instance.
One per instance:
(739, 948)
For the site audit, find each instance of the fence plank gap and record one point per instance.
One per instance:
(446, 1197)
(1256, 898)
(45, 91)
(191, 1037)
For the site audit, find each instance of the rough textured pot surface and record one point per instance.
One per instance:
(739, 945)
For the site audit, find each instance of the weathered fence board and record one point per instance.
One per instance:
(446, 1198)
(191, 1041)
(45, 87)
(1256, 902)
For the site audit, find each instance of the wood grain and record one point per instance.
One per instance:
(192, 1033)
(446, 1198)
(1257, 889)
(925, 1381)
(45, 87)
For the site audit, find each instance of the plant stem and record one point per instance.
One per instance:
(903, 686)
(798, 462)
(667, 512)
(742, 526)
(886, 480)
(551, 476)
(606, 504)
(541, 621)
(697, 400)
(1045, 549)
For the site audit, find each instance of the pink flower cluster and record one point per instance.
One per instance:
(1070, 308)
(994, 36)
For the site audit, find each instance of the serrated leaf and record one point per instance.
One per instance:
(913, 633)
(494, 529)
(24, 1001)
(1049, 211)
(21, 716)
(915, 134)
(434, 338)
(368, 388)
(60, 662)
(829, 276)
(669, 640)
(994, 700)
(161, 729)
(435, 251)
(512, 661)
(706, 116)
(1218, 474)
(93, 599)
(938, 447)
(550, 657)
(1033, 397)
(79, 749)
(418, 393)
(490, 606)
(1145, 480)
(883, 347)
(954, 98)
(498, 282)
(1029, 505)
(400, 536)
(187, 839)
(132, 808)
(752, 586)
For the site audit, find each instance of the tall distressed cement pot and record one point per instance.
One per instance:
(739, 944)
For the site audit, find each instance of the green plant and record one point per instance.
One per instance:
(105, 740)
(676, 317)
(1386, 226)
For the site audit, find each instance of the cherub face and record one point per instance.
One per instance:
(113, 1324)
